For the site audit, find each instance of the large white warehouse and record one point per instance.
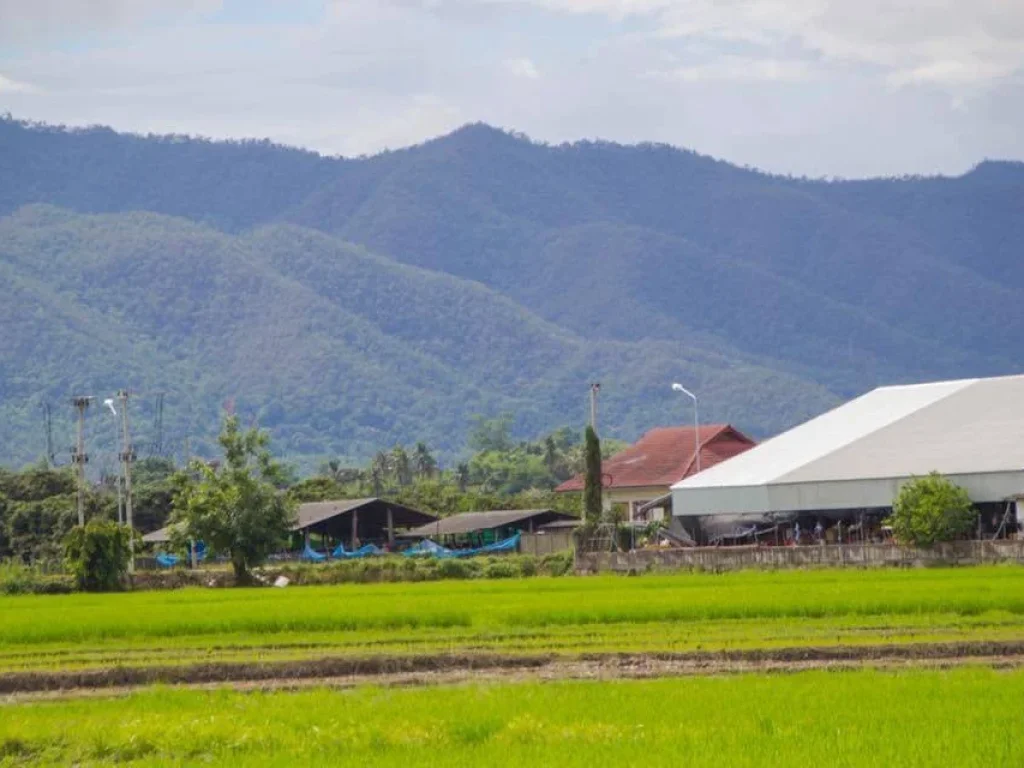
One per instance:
(856, 457)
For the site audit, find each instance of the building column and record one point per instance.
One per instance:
(391, 529)
(355, 530)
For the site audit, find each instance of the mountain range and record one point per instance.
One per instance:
(351, 304)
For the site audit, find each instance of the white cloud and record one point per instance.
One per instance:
(741, 69)
(7, 85)
(934, 42)
(522, 68)
(27, 21)
(803, 86)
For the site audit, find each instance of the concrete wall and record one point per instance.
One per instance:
(545, 543)
(853, 555)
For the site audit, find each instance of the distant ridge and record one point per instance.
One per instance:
(349, 304)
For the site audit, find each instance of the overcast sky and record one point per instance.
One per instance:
(817, 87)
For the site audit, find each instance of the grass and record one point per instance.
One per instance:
(963, 717)
(609, 613)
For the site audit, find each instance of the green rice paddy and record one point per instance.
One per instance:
(567, 615)
(963, 717)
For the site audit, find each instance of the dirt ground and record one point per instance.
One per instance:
(447, 669)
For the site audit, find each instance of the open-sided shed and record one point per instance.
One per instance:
(487, 526)
(358, 521)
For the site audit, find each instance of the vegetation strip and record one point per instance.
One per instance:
(965, 716)
(381, 666)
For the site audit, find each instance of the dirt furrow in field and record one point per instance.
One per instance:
(456, 668)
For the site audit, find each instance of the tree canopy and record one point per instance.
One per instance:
(420, 286)
(235, 506)
(931, 509)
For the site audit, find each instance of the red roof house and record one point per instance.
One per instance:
(663, 456)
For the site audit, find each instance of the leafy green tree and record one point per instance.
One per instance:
(424, 461)
(931, 509)
(235, 507)
(38, 508)
(491, 434)
(592, 478)
(380, 470)
(97, 554)
(402, 466)
(462, 476)
(550, 454)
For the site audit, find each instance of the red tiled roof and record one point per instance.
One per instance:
(665, 455)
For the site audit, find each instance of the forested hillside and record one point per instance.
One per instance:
(350, 305)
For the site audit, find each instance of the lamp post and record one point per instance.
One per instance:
(677, 387)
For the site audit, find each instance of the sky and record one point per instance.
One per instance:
(850, 88)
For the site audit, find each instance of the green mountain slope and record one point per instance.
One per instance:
(353, 303)
(336, 350)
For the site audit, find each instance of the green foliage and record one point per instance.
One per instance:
(17, 579)
(236, 506)
(379, 301)
(967, 717)
(37, 509)
(98, 554)
(407, 569)
(491, 435)
(592, 509)
(931, 509)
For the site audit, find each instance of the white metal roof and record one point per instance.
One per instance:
(858, 454)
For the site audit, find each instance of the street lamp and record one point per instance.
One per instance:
(677, 387)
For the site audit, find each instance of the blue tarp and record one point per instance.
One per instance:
(166, 560)
(430, 548)
(312, 555)
(367, 550)
(426, 547)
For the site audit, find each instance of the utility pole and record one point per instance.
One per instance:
(594, 389)
(48, 425)
(78, 456)
(127, 457)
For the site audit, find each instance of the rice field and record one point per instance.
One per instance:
(560, 615)
(963, 717)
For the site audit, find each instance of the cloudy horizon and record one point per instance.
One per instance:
(806, 87)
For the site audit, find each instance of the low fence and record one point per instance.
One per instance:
(547, 543)
(717, 559)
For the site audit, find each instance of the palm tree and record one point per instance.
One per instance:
(425, 463)
(379, 469)
(462, 476)
(401, 464)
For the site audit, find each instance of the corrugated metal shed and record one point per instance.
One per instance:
(665, 455)
(473, 522)
(335, 516)
(859, 454)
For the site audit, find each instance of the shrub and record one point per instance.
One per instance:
(557, 563)
(931, 509)
(455, 569)
(527, 565)
(501, 569)
(98, 555)
(17, 579)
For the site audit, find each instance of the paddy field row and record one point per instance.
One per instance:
(964, 717)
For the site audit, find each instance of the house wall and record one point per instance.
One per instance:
(634, 498)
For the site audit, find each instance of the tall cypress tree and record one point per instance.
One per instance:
(592, 478)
